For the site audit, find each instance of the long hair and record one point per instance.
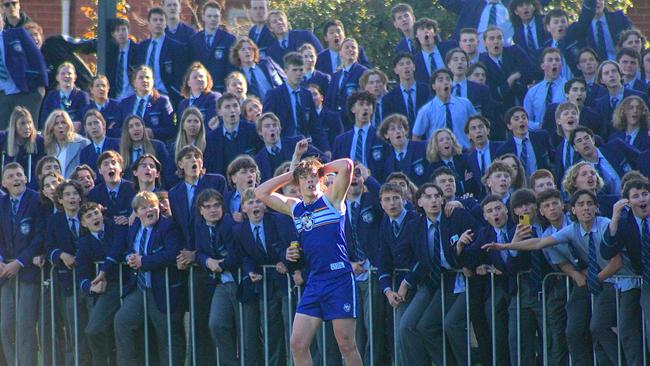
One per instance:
(48, 131)
(196, 66)
(126, 143)
(620, 121)
(181, 137)
(520, 182)
(569, 181)
(432, 146)
(19, 113)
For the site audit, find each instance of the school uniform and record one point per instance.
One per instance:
(479, 160)
(344, 82)
(297, 114)
(460, 166)
(614, 160)
(206, 102)
(481, 99)
(328, 61)
(119, 69)
(538, 150)
(643, 158)
(26, 160)
(330, 122)
(471, 14)
(437, 114)
(427, 64)
(110, 111)
(398, 249)
(158, 245)
(319, 78)
(410, 161)
(607, 30)
(262, 37)
(437, 257)
(530, 36)
(396, 101)
(263, 77)
(292, 41)
(118, 206)
(588, 117)
(513, 59)
(639, 139)
(372, 148)
(74, 103)
(90, 153)
(168, 60)
(221, 149)
(106, 246)
(184, 212)
(262, 244)
(606, 104)
(21, 236)
(267, 160)
(406, 45)
(181, 34)
(565, 156)
(157, 114)
(25, 68)
(62, 237)
(168, 172)
(70, 160)
(594, 91)
(539, 96)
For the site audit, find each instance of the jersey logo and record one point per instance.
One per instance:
(307, 221)
(347, 307)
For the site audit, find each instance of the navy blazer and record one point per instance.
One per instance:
(27, 161)
(121, 206)
(111, 113)
(265, 39)
(514, 60)
(541, 145)
(594, 91)
(331, 124)
(110, 251)
(255, 256)
(644, 167)
(461, 165)
(89, 155)
(173, 63)
(451, 228)
(182, 34)
(604, 108)
(370, 216)
(268, 163)
(626, 240)
(319, 78)
(398, 252)
(621, 156)
(219, 152)
(324, 60)
(541, 34)
(278, 101)
(168, 172)
(183, 215)
(393, 101)
(112, 71)
(403, 46)
(158, 115)
(224, 248)
(59, 240)
(414, 164)
(206, 103)
(24, 61)
(374, 148)
(558, 162)
(273, 74)
(422, 74)
(472, 161)
(468, 11)
(297, 37)
(22, 238)
(588, 117)
(78, 100)
(617, 22)
(336, 97)
(163, 245)
(641, 142)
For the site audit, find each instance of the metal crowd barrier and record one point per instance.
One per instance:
(51, 285)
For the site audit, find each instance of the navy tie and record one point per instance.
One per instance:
(14, 206)
(140, 111)
(113, 195)
(432, 63)
(549, 93)
(396, 228)
(457, 90)
(298, 111)
(73, 229)
(142, 280)
(258, 238)
(614, 103)
(492, 20)
(152, 56)
(645, 251)
(98, 150)
(523, 156)
(448, 120)
(358, 149)
(594, 284)
(254, 88)
(628, 139)
(531, 40)
(101, 235)
(231, 135)
(410, 109)
(434, 236)
(208, 41)
(355, 211)
(602, 50)
(119, 83)
(275, 150)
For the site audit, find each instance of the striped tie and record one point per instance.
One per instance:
(645, 251)
(4, 74)
(358, 149)
(523, 155)
(594, 284)
(152, 56)
(142, 280)
(434, 235)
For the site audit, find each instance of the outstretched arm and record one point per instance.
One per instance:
(343, 169)
(528, 244)
(266, 192)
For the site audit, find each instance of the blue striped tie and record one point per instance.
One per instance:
(4, 74)
(594, 284)
(645, 251)
(523, 156)
(142, 280)
(358, 148)
(434, 235)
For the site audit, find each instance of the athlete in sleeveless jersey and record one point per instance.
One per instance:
(320, 220)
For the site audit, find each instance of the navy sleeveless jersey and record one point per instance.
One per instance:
(321, 231)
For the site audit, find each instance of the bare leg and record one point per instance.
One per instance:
(304, 329)
(344, 333)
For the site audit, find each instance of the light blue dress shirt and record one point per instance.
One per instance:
(535, 100)
(433, 116)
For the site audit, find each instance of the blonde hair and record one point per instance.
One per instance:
(569, 181)
(143, 198)
(620, 121)
(432, 146)
(196, 66)
(182, 139)
(11, 144)
(48, 133)
(126, 144)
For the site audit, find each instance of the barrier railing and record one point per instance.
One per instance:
(73, 337)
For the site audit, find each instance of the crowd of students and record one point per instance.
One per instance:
(516, 148)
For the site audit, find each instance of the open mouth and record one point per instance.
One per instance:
(337, 41)
(250, 182)
(365, 114)
(446, 89)
(311, 187)
(96, 223)
(426, 37)
(151, 216)
(256, 212)
(111, 174)
(554, 69)
(497, 220)
(272, 135)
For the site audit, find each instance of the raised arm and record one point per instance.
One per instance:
(266, 192)
(343, 169)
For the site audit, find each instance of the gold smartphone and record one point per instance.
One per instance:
(524, 219)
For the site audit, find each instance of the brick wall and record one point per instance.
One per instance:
(640, 15)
